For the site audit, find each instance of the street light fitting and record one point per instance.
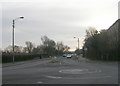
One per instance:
(21, 17)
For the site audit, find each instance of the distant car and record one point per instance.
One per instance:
(74, 54)
(64, 55)
(69, 56)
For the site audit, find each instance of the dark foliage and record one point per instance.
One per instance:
(21, 57)
(100, 46)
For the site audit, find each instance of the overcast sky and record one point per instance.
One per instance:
(60, 20)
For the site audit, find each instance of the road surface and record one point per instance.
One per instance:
(61, 71)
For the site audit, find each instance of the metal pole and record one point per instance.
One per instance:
(13, 36)
(13, 40)
(78, 43)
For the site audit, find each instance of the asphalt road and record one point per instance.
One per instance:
(61, 71)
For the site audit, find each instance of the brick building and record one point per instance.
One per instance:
(114, 37)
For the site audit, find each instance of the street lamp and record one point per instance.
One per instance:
(78, 41)
(21, 17)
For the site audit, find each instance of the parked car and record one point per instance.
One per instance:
(74, 54)
(64, 55)
(69, 56)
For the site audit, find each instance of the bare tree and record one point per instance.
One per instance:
(66, 48)
(48, 45)
(8, 49)
(91, 32)
(29, 46)
(60, 46)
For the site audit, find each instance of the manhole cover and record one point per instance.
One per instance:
(79, 71)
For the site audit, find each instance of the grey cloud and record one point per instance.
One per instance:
(54, 18)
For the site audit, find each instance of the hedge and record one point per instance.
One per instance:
(21, 57)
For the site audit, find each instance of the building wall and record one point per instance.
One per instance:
(113, 35)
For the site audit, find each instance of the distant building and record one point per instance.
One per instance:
(113, 34)
(114, 38)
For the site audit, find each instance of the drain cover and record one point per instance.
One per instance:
(79, 71)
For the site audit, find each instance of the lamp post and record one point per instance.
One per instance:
(13, 34)
(78, 41)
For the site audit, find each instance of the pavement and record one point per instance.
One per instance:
(61, 70)
(22, 62)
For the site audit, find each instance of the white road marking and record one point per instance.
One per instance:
(79, 71)
(54, 77)
(97, 71)
(90, 77)
(39, 82)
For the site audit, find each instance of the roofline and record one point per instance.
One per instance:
(114, 23)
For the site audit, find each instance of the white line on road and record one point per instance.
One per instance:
(90, 77)
(79, 71)
(39, 82)
(54, 77)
